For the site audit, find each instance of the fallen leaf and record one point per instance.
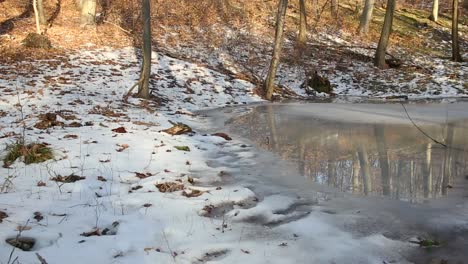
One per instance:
(223, 135)
(182, 148)
(3, 215)
(169, 187)
(38, 216)
(147, 205)
(40, 184)
(71, 136)
(122, 147)
(177, 129)
(67, 179)
(192, 193)
(95, 232)
(101, 178)
(119, 130)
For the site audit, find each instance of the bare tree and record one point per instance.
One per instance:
(275, 59)
(365, 169)
(379, 59)
(88, 12)
(383, 159)
(36, 16)
(40, 12)
(302, 36)
(455, 45)
(435, 11)
(143, 83)
(366, 17)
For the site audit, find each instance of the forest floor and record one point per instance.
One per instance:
(120, 190)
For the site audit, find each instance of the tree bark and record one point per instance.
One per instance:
(455, 45)
(36, 16)
(302, 36)
(143, 85)
(383, 159)
(379, 59)
(428, 172)
(88, 12)
(356, 170)
(435, 11)
(40, 12)
(365, 169)
(270, 79)
(366, 16)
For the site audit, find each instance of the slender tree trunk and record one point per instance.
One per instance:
(40, 12)
(383, 159)
(334, 8)
(269, 84)
(88, 12)
(455, 45)
(356, 170)
(272, 123)
(366, 17)
(302, 36)
(435, 11)
(143, 85)
(428, 172)
(379, 59)
(447, 163)
(36, 16)
(365, 169)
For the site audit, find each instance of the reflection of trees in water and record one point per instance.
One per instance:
(396, 160)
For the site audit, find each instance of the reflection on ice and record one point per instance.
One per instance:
(369, 157)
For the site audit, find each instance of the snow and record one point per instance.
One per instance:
(231, 221)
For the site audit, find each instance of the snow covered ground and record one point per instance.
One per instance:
(138, 198)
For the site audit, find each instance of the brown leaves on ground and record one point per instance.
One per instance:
(95, 232)
(48, 120)
(169, 187)
(177, 129)
(105, 111)
(67, 179)
(71, 136)
(122, 147)
(192, 193)
(143, 175)
(119, 130)
(3, 215)
(223, 135)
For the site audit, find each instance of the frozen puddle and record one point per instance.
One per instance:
(356, 183)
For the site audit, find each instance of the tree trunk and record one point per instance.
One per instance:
(79, 4)
(435, 11)
(383, 159)
(88, 12)
(40, 12)
(36, 16)
(455, 46)
(143, 86)
(366, 17)
(302, 36)
(270, 80)
(365, 169)
(447, 162)
(379, 59)
(356, 170)
(428, 172)
(334, 8)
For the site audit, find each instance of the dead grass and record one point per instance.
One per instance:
(31, 153)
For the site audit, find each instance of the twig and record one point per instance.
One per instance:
(41, 259)
(422, 131)
(168, 246)
(117, 26)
